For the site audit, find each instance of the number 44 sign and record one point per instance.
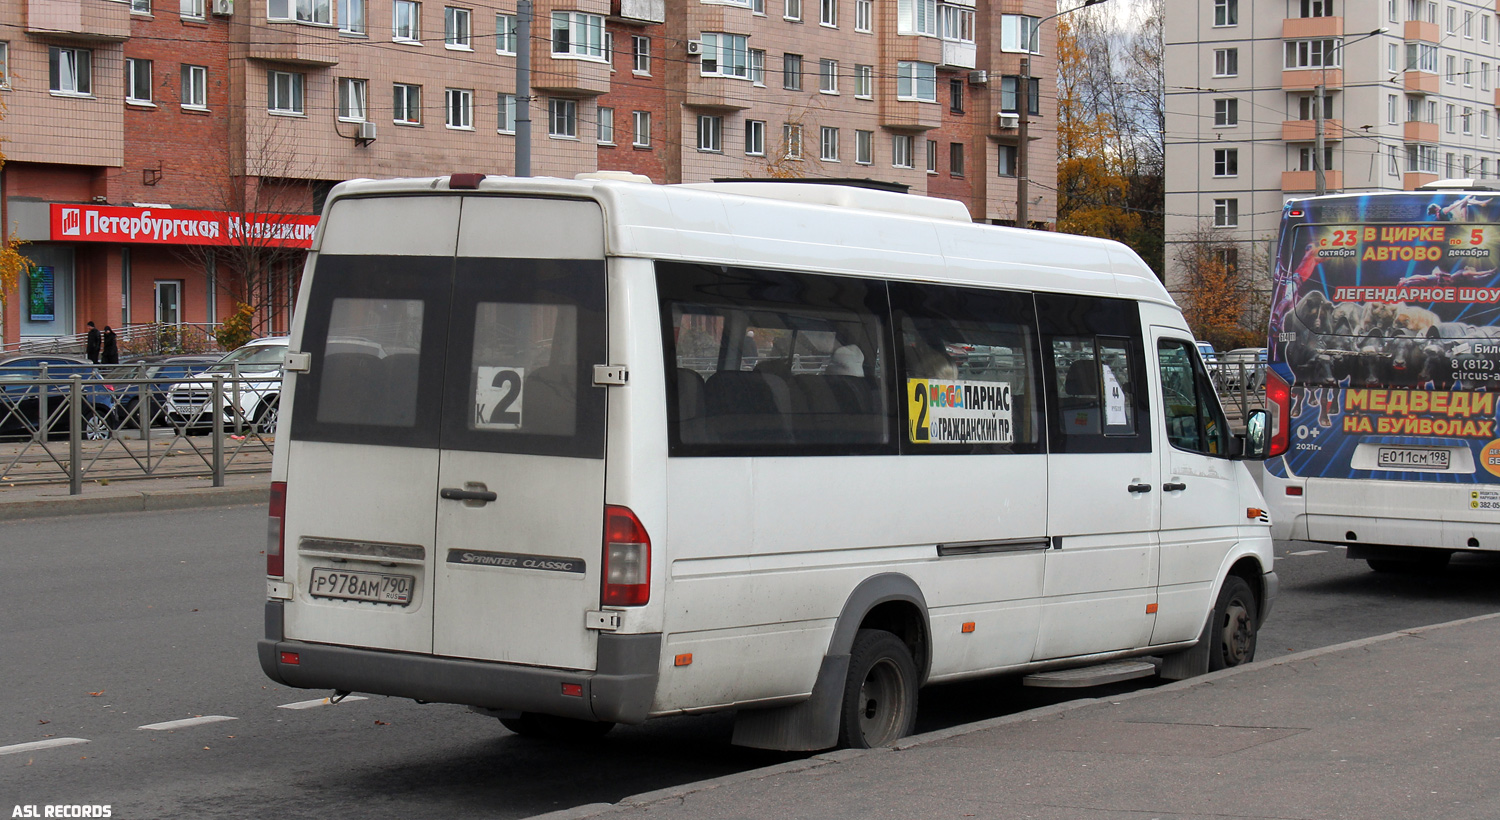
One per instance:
(497, 398)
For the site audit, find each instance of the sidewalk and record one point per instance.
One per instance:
(1404, 725)
(131, 495)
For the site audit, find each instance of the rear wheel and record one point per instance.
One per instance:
(532, 724)
(880, 693)
(1233, 630)
(266, 416)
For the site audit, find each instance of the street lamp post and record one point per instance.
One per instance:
(1023, 110)
(1320, 93)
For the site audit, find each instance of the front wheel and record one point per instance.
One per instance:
(266, 416)
(1233, 630)
(95, 424)
(880, 693)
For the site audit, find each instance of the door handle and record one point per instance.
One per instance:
(455, 494)
(1139, 488)
(1172, 487)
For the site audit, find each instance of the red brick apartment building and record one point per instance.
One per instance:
(145, 139)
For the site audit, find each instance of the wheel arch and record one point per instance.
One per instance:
(892, 602)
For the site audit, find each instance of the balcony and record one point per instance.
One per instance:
(1306, 130)
(1306, 28)
(1306, 79)
(569, 77)
(1424, 32)
(907, 115)
(1421, 82)
(1420, 132)
(101, 20)
(1412, 180)
(1299, 181)
(638, 11)
(716, 93)
(958, 55)
(294, 43)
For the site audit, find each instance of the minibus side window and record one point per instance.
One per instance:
(967, 360)
(774, 363)
(370, 362)
(1194, 420)
(1095, 356)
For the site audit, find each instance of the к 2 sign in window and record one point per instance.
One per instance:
(959, 412)
(497, 398)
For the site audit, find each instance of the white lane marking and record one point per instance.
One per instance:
(41, 744)
(313, 704)
(185, 722)
(1308, 552)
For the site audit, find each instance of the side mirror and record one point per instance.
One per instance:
(1257, 436)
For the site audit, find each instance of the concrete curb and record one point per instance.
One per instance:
(133, 501)
(828, 758)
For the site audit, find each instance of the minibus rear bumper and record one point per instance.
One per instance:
(620, 689)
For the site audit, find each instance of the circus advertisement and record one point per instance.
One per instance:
(1385, 321)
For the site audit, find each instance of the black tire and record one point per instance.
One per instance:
(880, 693)
(533, 725)
(96, 424)
(1235, 624)
(266, 416)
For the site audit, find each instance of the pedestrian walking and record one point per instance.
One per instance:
(111, 352)
(91, 347)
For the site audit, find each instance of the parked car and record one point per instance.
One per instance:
(21, 405)
(128, 396)
(253, 398)
(1206, 350)
(1249, 362)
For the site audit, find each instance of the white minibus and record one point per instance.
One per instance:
(611, 450)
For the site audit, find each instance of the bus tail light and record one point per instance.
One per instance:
(276, 531)
(627, 559)
(1279, 398)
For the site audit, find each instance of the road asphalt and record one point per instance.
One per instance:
(1403, 725)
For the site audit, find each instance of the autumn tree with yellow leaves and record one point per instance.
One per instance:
(12, 264)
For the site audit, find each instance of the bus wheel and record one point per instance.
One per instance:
(532, 724)
(1233, 632)
(880, 694)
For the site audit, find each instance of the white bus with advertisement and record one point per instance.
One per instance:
(610, 450)
(1385, 367)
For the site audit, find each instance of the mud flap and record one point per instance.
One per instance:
(808, 726)
(1189, 663)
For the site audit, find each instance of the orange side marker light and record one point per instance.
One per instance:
(1254, 513)
(967, 627)
(685, 659)
(1150, 609)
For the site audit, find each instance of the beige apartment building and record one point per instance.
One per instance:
(147, 139)
(1409, 96)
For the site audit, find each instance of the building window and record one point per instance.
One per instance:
(1448, 165)
(640, 129)
(755, 138)
(1016, 33)
(725, 55)
(955, 159)
(1307, 107)
(1008, 86)
(828, 144)
(562, 118)
(1226, 112)
(1484, 122)
(931, 156)
(1451, 74)
(1467, 121)
(916, 81)
(1484, 76)
(1226, 213)
(1226, 12)
(791, 72)
(576, 34)
(864, 147)
(70, 70)
(302, 11)
(505, 104)
(456, 32)
(140, 6)
(408, 104)
(137, 81)
(606, 122)
(710, 134)
(1392, 108)
(1484, 28)
(1318, 8)
(793, 10)
(758, 7)
(1468, 73)
(191, 9)
(1005, 164)
(505, 34)
(828, 76)
(195, 87)
(4, 64)
(828, 13)
(284, 92)
(1451, 22)
(916, 17)
(640, 50)
(460, 106)
(1450, 120)
(1226, 62)
(352, 99)
(863, 15)
(901, 150)
(1312, 53)
(956, 24)
(1422, 57)
(406, 22)
(956, 96)
(758, 66)
(1226, 162)
(791, 141)
(1468, 24)
(352, 16)
(864, 81)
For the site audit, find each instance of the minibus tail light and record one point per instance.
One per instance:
(276, 531)
(627, 559)
(1279, 397)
